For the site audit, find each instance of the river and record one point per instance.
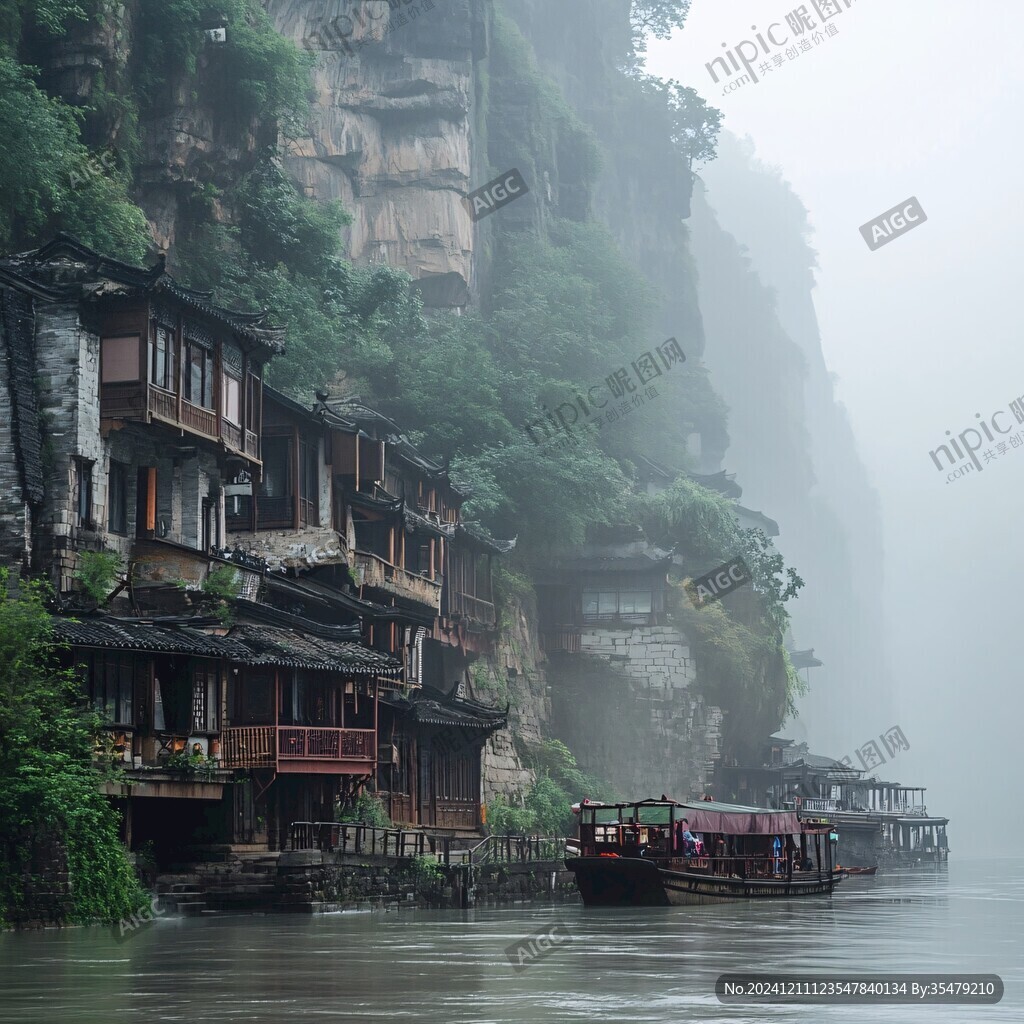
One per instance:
(450, 966)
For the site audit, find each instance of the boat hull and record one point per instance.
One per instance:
(636, 882)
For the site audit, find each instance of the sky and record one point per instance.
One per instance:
(913, 98)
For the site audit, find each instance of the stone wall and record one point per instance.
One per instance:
(628, 709)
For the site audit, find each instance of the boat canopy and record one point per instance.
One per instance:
(712, 816)
(737, 820)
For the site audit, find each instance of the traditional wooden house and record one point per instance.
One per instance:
(335, 545)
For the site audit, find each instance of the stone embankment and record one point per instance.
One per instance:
(316, 881)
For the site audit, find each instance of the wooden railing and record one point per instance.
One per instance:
(195, 417)
(255, 746)
(136, 400)
(163, 403)
(374, 571)
(232, 435)
(813, 804)
(517, 850)
(473, 608)
(248, 747)
(359, 839)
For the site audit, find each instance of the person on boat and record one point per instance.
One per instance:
(689, 842)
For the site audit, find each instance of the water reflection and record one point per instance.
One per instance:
(622, 965)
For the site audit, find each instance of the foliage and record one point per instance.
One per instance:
(528, 116)
(42, 162)
(256, 72)
(279, 227)
(368, 809)
(51, 17)
(547, 807)
(694, 125)
(510, 587)
(96, 573)
(659, 17)
(702, 525)
(188, 764)
(222, 583)
(427, 874)
(505, 819)
(49, 786)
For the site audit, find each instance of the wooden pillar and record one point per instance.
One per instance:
(296, 459)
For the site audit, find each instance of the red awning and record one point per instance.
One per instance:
(744, 823)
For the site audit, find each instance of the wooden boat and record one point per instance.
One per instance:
(858, 871)
(636, 854)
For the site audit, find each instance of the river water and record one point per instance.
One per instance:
(450, 966)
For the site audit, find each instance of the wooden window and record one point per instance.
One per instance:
(253, 402)
(117, 498)
(110, 683)
(231, 402)
(309, 482)
(635, 602)
(119, 359)
(205, 699)
(162, 369)
(82, 491)
(198, 375)
(600, 604)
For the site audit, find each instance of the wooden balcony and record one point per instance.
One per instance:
(473, 608)
(144, 402)
(300, 749)
(374, 572)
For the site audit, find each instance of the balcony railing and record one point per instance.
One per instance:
(139, 400)
(473, 608)
(373, 571)
(814, 804)
(270, 746)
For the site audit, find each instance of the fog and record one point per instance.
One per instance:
(909, 99)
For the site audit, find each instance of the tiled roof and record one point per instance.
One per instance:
(477, 535)
(136, 636)
(272, 645)
(246, 645)
(35, 268)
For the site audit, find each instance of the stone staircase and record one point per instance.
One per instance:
(239, 881)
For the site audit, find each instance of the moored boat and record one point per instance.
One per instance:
(857, 870)
(662, 852)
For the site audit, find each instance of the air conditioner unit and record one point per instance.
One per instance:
(387, 753)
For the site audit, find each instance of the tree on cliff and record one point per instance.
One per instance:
(50, 801)
(658, 17)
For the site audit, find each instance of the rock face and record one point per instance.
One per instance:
(391, 130)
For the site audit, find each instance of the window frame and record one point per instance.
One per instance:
(82, 491)
(136, 340)
(117, 497)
